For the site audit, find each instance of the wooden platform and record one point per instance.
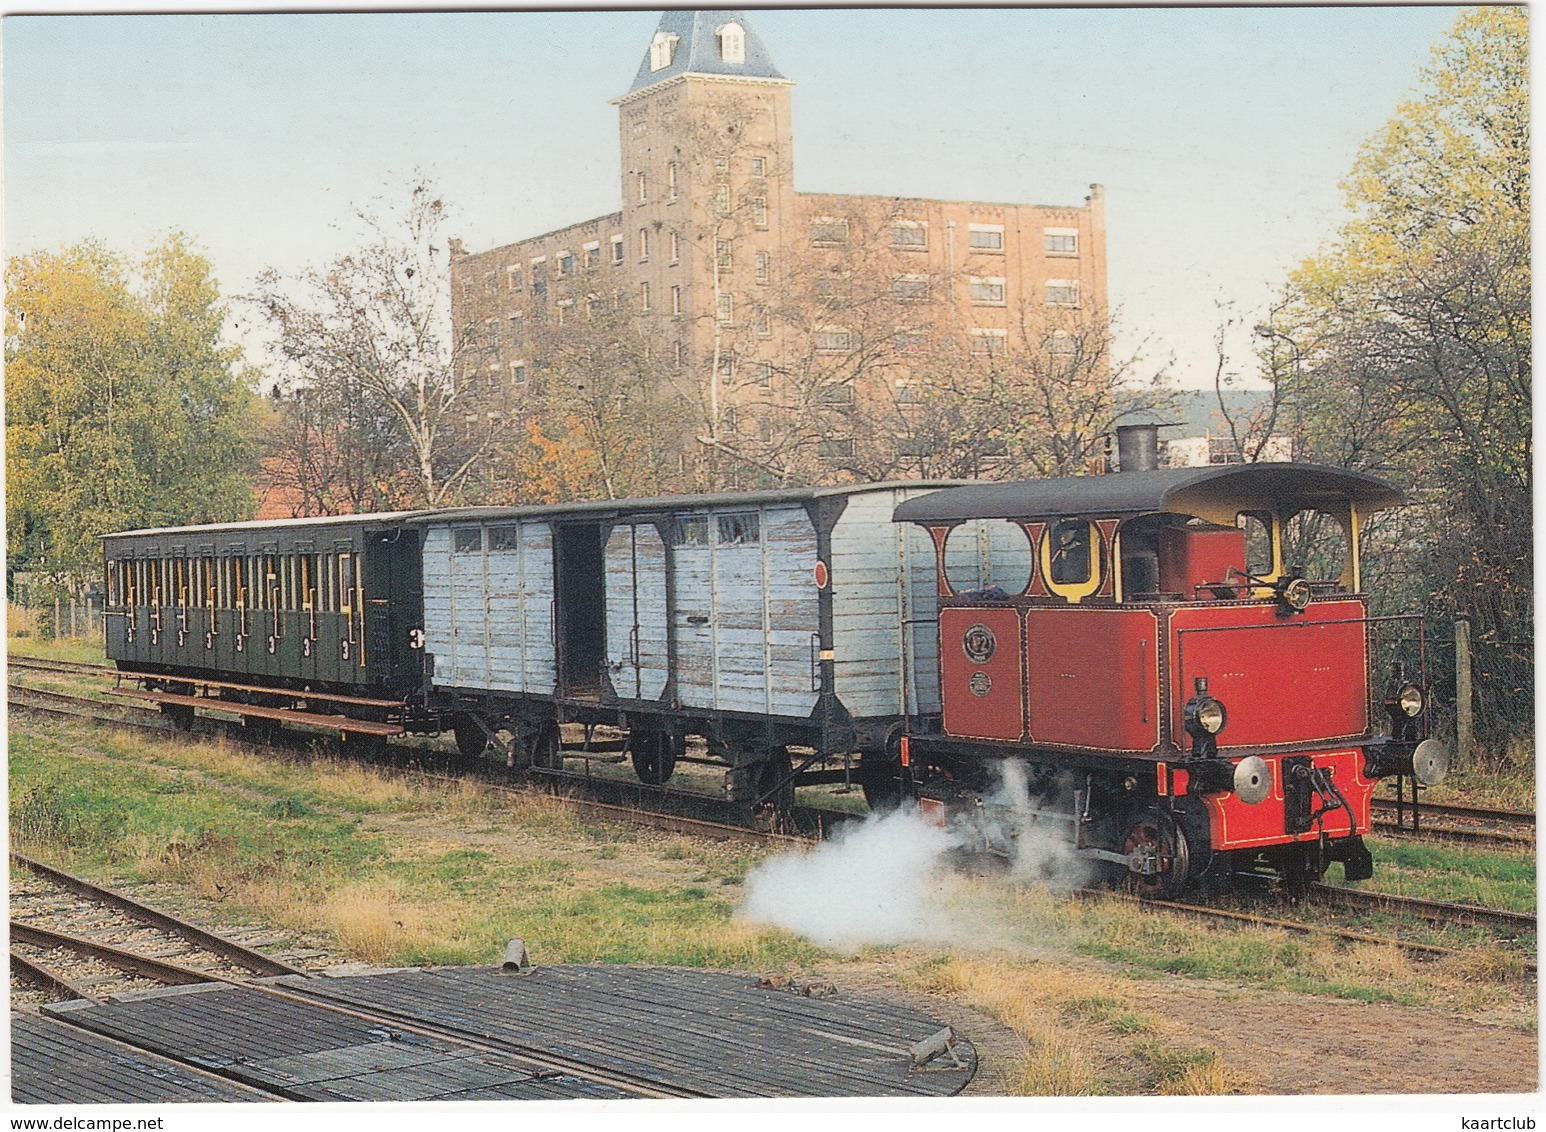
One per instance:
(535, 1035)
(54, 1063)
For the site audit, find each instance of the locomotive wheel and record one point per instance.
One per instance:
(1156, 833)
(654, 755)
(471, 739)
(547, 752)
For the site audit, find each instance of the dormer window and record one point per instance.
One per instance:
(732, 43)
(663, 50)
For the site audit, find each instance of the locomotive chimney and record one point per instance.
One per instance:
(1138, 447)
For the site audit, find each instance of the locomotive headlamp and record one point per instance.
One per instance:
(1409, 698)
(1204, 717)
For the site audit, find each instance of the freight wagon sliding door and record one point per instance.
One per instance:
(581, 593)
(638, 650)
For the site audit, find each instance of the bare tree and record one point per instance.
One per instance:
(367, 350)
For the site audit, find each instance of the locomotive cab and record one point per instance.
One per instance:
(1189, 647)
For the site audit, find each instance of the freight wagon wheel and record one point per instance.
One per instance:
(1158, 840)
(471, 738)
(775, 781)
(654, 755)
(547, 749)
(880, 777)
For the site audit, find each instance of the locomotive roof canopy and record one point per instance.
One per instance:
(1187, 491)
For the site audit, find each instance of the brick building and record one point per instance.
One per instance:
(755, 297)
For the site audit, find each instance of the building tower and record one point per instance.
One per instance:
(708, 182)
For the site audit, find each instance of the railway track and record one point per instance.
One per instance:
(88, 941)
(120, 945)
(68, 667)
(700, 814)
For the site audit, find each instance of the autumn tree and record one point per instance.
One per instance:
(124, 406)
(1404, 347)
(606, 420)
(388, 405)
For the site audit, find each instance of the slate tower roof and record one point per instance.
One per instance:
(708, 42)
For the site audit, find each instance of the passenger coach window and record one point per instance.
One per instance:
(503, 538)
(468, 540)
(1070, 552)
(738, 530)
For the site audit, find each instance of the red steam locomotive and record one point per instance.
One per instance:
(1177, 663)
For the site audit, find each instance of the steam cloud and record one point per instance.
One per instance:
(882, 882)
(877, 884)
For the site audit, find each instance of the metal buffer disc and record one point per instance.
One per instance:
(1430, 762)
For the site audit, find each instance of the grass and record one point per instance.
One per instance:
(392, 868)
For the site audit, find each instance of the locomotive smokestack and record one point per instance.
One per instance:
(1138, 447)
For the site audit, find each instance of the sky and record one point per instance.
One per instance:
(1221, 135)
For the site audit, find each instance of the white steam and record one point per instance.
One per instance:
(1039, 844)
(876, 884)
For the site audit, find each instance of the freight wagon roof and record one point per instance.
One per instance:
(1177, 490)
(665, 504)
(270, 524)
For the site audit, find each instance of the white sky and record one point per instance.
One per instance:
(1221, 134)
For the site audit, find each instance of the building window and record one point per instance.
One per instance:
(1061, 241)
(594, 305)
(722, 163)
(644, 243)
(764, 374)
(727, 364)
(723, 255)
(662, 50)
(913, 234)
(722, 200)
(760, 212)
(759, 167)
(617, 249)
(566, 264)
(835, 395)
(676, 246)
(989, 343)
(565, 308)
(644, 188)
(592, 255)
(835, 448)
(732, 43)
(764, 324)
(492, 329)
(681, 354)
(676, 300)
(909, 339)
(1063, 292)
(764, 265)
(829, 230)
(1062, 344)
(644, 296)
(910, 286)
(725, 310)
(671, 181)
(986, 291)
(518, 372)
(513, 277)
(906, 394)
(832, 340)
(985, 237)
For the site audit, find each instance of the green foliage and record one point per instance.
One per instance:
(1404, 348)
(123, 407)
